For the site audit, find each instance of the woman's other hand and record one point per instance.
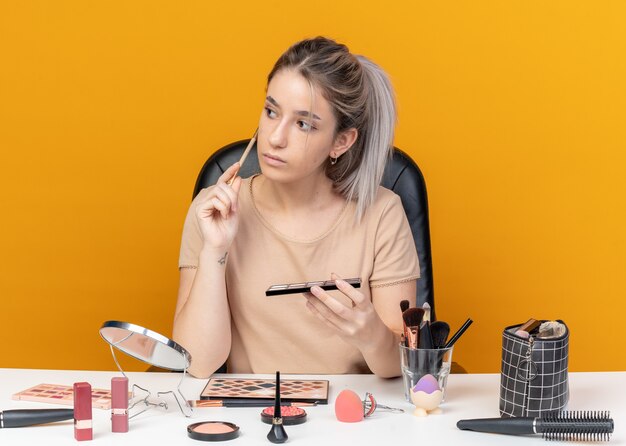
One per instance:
(360, 325)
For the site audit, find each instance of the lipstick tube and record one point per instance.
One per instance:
(83, 429)
(119, 404)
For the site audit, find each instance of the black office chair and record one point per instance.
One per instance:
(401, 176)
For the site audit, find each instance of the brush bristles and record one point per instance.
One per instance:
(577, 426)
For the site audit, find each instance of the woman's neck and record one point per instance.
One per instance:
(313, 192)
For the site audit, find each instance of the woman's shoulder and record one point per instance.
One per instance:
(385, 200)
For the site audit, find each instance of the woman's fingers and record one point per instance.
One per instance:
(352, 293)
(330, 302)
(311, 306)
(229, 173)
(221, 197)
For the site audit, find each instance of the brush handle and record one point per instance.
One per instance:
(425, 337)
(511, 426)
(455, 337)
(31, 417)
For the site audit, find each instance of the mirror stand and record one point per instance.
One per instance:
(154, 349)
(149, 400)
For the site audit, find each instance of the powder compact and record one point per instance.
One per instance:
(291, 415)
(213, 431)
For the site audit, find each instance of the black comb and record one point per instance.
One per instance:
(564, 426)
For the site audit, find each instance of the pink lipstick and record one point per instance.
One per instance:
(119, 404)
(82, 412)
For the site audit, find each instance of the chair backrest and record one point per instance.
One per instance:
(401, 176)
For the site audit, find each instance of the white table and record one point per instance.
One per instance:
(468, 396)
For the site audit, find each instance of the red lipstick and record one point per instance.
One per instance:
(119, 404)
(83, 429)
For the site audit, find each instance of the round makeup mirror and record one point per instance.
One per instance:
(146, 345)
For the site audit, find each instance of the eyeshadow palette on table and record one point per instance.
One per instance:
(60, 394)
(291, 390)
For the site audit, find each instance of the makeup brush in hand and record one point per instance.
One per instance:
(244, 156)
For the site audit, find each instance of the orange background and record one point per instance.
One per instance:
(514, 111)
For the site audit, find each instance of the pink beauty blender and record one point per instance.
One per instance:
(348, 407)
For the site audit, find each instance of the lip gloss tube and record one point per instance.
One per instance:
(119, 404)
(83, 429)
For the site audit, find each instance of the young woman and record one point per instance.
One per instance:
(315, 212)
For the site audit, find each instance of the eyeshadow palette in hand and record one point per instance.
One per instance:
(305, 287)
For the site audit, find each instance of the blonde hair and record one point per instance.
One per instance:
(361, 97)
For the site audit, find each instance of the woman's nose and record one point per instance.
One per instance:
(278, 135)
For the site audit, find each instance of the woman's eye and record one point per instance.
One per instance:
(306, 126)
(270, 113)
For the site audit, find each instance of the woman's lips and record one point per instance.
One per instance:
(273, 160)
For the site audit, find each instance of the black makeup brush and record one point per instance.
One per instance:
(277, 433)
(565, 426)
(439, 331)
(404, 305)
(455, 337)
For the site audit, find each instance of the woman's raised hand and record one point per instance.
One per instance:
(217, 210)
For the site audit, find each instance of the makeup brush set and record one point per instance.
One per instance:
(422, 333)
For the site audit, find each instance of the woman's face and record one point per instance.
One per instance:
(296, 129)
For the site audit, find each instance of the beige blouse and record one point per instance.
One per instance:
(279, 333)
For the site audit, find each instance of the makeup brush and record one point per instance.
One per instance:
(31, 417)
(277, 433)
(425, 336)
(426, 308)
(412, 319)
(244, 156)
(404, 340)
(439, 331)
(455, 337)
(565, 426)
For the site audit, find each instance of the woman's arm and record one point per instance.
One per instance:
(202, 318)
(373, 327)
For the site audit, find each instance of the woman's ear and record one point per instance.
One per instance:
(343, 142)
